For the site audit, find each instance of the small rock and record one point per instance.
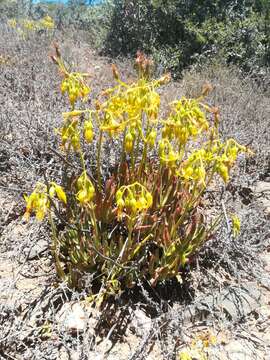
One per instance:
(105, 346)
(63, 354)
(235, 302)
(237, 351)
(262, 190)
(262, 187)
(37, 249)
(72, 318)
(140, 323)
(266, 261)
(265, 312)
(266, 338)
(265, 282)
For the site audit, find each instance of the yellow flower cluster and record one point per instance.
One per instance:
(134, 198)
(45, 23)
(218, 156)
(70, 134)
(86, 190)
(58, 190)
(39, 203)
(126, 104)
(29, 25)
(131, 134)
(129, 107)
(12, 23)
(194, 167)
(74, 85)
(124, 109)
(185, 121)
(224, 156)
(88, 131)
(167, 155)
(129, 140)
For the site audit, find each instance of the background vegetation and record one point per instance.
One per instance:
(176, 33)
(179, 33)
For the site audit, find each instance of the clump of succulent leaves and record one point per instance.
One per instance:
(145, 220)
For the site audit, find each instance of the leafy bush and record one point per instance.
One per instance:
(144, 218)
(178, 33)
(13, 8)
(238, 41)
(27, 26)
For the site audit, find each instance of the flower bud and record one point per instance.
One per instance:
(80, 182)
(133, 205)
(75, 142)
(141, 203)
(88, 131)
(152, 138)
(120, 203)
(128, 142)
(82, 196)
(60, 193)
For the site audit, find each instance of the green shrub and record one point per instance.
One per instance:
(179, 33)
(144, 220)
